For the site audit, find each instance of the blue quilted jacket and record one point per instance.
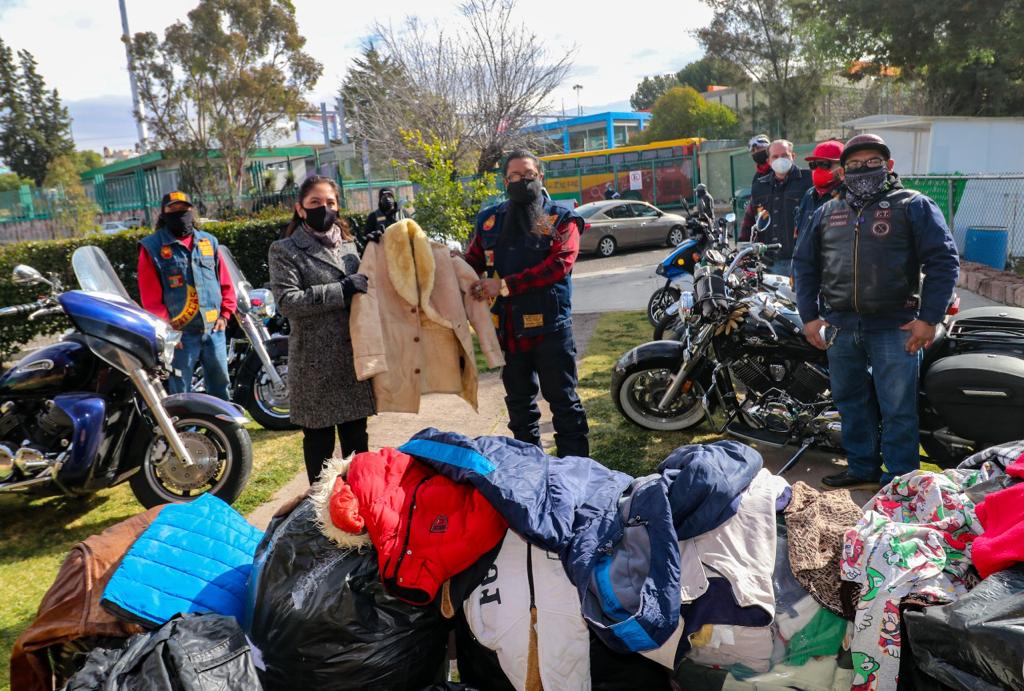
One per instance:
(613, 534)
(194, 557)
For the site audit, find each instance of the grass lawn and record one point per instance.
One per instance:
(37, 534)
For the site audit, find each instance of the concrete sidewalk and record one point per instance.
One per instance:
(445, 412)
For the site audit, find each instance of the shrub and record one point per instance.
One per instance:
(249, 241)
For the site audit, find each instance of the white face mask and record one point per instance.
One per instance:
(782, 165)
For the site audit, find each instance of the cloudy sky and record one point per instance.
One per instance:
(77, 45)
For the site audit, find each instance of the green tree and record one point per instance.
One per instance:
(765, 40)
(445, 206)
(682, 112)
(87, 160)
(13, 181)
(711, 71)
(226, 77)
(34, 125)
(968, 54)
(73, 208)
(650, 90)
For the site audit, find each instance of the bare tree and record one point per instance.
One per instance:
(472, 86)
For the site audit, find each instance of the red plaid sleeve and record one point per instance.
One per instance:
(565, 247)
(475, 254)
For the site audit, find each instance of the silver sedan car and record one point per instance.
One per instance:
(609, 225)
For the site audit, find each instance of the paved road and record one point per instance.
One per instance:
(626, 281)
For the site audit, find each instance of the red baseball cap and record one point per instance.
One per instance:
(830, 150)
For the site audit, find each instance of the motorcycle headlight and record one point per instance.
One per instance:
(263, 304)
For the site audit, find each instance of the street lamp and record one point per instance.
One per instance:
(577, 88)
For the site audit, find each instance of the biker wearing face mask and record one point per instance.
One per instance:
(827, 179)
(183, 281)
(388, 211)
(777, 195)
(858, 274)
(524, 249)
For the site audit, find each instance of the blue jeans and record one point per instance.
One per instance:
(886, 394)
(209, 348)
(550, 367)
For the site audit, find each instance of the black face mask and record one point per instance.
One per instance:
(321, 218)
(760, 157)
(387, 204)
(524, 191)
(179, 223)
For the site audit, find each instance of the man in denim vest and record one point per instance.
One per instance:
(525, 249)
(183, 281)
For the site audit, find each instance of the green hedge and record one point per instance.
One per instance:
(248, 239)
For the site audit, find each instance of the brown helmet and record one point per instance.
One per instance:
(864, 141)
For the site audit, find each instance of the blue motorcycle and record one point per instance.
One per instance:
(89, 412)
(679, 265)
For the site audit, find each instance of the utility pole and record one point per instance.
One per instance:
(323, 120)
(577, 88)
(140, 124)
(342, 126)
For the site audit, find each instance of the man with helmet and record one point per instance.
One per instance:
(858, 276)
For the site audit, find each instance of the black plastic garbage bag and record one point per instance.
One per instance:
(322, 619)
(193, 652)
(976, 642)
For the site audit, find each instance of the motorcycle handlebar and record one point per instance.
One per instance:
(18, 310)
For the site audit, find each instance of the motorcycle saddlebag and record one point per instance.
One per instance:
(979, 395)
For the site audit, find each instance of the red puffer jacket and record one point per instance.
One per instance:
(425, 527)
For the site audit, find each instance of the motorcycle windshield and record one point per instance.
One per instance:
(95, 273)
(242, 286)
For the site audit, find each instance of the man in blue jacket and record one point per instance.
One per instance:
(858, 276)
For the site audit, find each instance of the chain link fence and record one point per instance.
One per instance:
(984, 212)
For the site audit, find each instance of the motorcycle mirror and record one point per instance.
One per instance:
(25, 275)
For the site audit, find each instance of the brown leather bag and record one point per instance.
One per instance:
(71, 609)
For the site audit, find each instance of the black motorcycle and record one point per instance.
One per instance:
(745, 355)
(257, 342)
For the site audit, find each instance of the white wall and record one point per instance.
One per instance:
(977, 145)
(909, 148)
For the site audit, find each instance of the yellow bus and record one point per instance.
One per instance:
(662, 173)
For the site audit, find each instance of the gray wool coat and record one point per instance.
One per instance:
(305, 278)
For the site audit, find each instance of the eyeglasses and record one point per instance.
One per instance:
(516, 177)
(826, 165)
(870, 163)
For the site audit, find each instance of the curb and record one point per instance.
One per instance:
(1002, 286)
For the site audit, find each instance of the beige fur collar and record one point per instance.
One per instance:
(410, 259)
(320, 496)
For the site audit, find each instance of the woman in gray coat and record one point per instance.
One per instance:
(313, 275)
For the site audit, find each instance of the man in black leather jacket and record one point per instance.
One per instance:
(778, 193)
(858, 275)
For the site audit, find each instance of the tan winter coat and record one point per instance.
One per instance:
(410, 330)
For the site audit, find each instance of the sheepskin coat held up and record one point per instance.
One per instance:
(410, 330)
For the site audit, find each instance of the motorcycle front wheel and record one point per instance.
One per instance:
(267, 404)
(222, 461)
(661, 300)
(639, 389)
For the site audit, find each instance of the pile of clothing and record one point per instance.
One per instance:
(553, 573)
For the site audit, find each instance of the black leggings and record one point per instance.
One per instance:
(318, 444)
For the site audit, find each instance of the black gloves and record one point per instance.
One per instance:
(374, 235)
(352, 284)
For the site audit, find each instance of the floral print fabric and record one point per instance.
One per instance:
(915, 538)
